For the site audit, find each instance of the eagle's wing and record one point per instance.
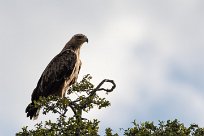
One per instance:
(53, 77)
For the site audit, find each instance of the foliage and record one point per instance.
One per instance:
(86, 99)
(169, 128)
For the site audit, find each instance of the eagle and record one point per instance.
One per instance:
(59, 75)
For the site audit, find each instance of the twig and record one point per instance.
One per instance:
(98, 88)
(103, 89)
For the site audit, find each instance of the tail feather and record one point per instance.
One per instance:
(32, 111)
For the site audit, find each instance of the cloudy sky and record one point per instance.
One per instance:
(153, 50)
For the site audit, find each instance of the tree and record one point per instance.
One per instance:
(88, 98)
(168, 128)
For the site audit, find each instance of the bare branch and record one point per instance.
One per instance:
(72, 106)
(98, 88)
(107, 90)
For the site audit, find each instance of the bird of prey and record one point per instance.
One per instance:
(59, 74)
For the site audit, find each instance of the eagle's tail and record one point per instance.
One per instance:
(32, 111)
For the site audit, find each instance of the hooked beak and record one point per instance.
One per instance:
(87, 40)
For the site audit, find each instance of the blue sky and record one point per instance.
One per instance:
(154, 50)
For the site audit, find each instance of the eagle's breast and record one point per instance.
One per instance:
(72, 79)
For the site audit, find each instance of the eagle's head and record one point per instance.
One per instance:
(78, 40)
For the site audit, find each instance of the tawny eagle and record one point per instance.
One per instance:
(60, 73)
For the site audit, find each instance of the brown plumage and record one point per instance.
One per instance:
(60, 73)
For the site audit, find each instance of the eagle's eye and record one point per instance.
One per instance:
(80, 36)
